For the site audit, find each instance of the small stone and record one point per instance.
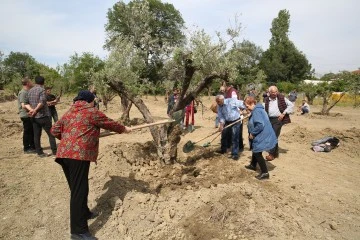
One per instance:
(151, 217)
(293, 186)
(207, 185)
(333, 225)
(149, 232)
(184, 178)
(171, 213)
(122, 229)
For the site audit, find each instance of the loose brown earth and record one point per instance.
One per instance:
(203, 196)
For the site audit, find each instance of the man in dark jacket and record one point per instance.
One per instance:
(278, 108)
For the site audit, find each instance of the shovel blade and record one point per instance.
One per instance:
(188, 147)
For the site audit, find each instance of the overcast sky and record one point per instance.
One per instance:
(326, 31)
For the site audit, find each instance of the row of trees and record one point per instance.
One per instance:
(149, 54)
(155, 30)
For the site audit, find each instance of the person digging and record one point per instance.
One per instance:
(78, 131)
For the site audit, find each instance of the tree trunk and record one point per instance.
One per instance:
(324, 105)
(125, 107)
(326, 100)
(167, 137)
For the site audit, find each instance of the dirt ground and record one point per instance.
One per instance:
(204, 196)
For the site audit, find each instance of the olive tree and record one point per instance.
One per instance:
(195, 66)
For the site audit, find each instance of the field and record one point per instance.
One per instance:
(204, 196)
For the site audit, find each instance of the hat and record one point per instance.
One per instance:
(85, 95)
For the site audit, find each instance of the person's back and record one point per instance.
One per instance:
(41, 116)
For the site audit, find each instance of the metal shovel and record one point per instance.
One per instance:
(189, 145)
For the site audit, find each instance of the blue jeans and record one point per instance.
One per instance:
(217, 121)
(234, 130)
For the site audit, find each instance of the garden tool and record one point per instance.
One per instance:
(105, 134)
(176, 118)
(207, 144)
(189, 146)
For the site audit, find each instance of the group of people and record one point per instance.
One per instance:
(79, 130)
(36, 109)
(264, 125)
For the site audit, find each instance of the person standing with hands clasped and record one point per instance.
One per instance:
(278, 109)
(40, 116)
(261, 135)
(78, 131)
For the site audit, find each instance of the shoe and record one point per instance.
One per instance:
(220, 151)
(250, 167)
(234, 157)
(93, 215)
(30, 151)
(263, 176)
(82, 236)
(42, 155)
(269, 157)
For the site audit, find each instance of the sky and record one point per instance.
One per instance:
(327, 32)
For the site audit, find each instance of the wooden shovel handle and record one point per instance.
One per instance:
(105, 134)
(236, 121)
(152, 124)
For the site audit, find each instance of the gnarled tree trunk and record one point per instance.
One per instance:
(167, 137)
(326, 101)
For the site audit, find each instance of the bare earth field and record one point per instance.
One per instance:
(204, 196)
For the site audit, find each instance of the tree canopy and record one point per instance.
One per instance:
(283, 61)
(153, 27)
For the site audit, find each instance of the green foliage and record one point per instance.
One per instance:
(17, 64)
(309, 90)
(124, 65)
(154, 29)
(78, 71)
(283, 61)
(247, 57)
(286, 87)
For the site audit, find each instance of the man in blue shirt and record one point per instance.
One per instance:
(228, 113)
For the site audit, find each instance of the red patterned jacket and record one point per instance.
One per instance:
(79, 131)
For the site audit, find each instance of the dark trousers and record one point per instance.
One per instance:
(241, 141)
(258, 158)
(38, 125)
(233, 133)
(28, 135)
(77, 173)
(54, 114)
(276, 125)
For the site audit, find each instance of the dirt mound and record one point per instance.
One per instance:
(6, 97)
(10, 128)
(349, 139)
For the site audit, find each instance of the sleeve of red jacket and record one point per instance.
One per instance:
(56, 129)
(100, 120)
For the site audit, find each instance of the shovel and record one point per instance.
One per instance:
(189, 146)
(105, 134)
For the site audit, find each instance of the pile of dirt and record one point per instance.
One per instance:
(10, 128)
(349, 139)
